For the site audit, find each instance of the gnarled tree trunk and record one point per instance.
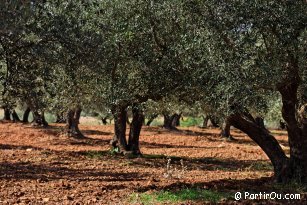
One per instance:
(286, 169)
(297, 166)
(120, 119)
(167, 123)
(15, 116)
(151, 119)
(73, 120)
(39, 119)
(211, 122)
(265, 140)
(26, 114)
(176, 120)
(104, 120)
(205, 121)
(171, 121)
(7, 114)
(135, 130)
(260, 121)
(225, 129)
(60, 117)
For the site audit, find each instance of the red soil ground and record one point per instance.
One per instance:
(43, 166)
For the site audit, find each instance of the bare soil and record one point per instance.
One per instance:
(43, 166)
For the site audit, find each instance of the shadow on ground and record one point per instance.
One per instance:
(47, 172)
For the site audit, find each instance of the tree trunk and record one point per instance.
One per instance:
(285, 169)
(225, 129)
(135, 130)
(7, 114)
(104, 120)
(39, 119)
(176, 120)
(120, 119)
(60, 117)
(297, 166)
(151, 119)
(169, 122)
(282, 125)
(45, 123)
(205, 121)
(266, 141)
(260, 122)
(15, 116)
(212, 122)
(26, 114)
(73, 120)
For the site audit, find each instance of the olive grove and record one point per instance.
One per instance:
(231, 61)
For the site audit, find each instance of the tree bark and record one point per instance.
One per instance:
(282, 125)
(73, 121)
(212, 122)
(169, 122)
(176, 120)
(39, 119)
(120, 119)
(266, 141)
(151, 119)
(135, 130)
(205, 121)
(285, 169)
(60, 117)
(15, 116)
(260, 121)
(7, 114)
(26, 114)
(104, 120)
(225, 129)
(297, 166)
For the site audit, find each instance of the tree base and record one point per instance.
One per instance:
(291, 171)
(37, 124)
(132, 154)
(124, 151)
(76, 135)
(170, 128)
(228, 138)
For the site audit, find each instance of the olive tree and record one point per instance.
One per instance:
(259, 49)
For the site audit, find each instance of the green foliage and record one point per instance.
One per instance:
(114, 151)
(191, 121)
(156, 122)
(248, 57)
(191, 57)
(273, 116)
(180, 196)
